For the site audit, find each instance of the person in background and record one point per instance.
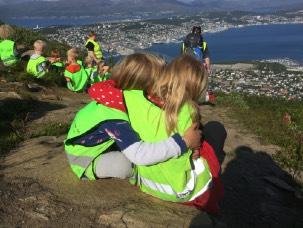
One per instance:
(94, 48)
(37, 64)
(194, 44)
(55, 60)
(8, 52)
(74, 73)
(103, 72)
(97, 73)
(91, 69)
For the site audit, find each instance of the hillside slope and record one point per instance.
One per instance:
(37, 187)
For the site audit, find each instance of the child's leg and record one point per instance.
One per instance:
(113, 164)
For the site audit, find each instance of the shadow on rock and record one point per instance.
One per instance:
(258, 193)
(29, 108)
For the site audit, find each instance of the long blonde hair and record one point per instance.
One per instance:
(182, 81)
(137, 71)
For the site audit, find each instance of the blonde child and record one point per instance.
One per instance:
(91, 69)
(168, 106)
(96, 73)
(103, 71)
(74, 73)
(37, 64)
(101, 143)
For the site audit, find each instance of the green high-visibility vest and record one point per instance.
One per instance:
(58, 64)
(203, 46)
(33, 64)
(178, 179)
(78, 80)
(97, 48)
(94, 76)
(81, 158)
(7, 55)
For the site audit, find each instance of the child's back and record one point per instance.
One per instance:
(74, 73)
(37, 64)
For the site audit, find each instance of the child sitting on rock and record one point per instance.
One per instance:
(101, 142)
(103, 70)
(74, 73)
(96, 73)
(91, 69)
(8, 52)
(55, 60)
(37, 66)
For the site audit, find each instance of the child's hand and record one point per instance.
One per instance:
(192, 136)
(67, 79)
(196, 154)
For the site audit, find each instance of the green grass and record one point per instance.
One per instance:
(52, 129)
(13, 113)
(264, 116)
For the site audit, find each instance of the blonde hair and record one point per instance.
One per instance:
(72, 53)
(39, 45)
(6, 31)
(137, 71)
(88, 60)
(182, 81)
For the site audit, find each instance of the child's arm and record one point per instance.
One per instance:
(145, 153)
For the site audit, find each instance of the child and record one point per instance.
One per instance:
(96, 73)
(98, 131)
(55, 60)
(8, 53)
(171, 108)
(103, 71)
(91, 69)
(74, 73)
(94, 48)
(37, 63)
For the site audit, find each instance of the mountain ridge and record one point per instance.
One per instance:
(46, 8)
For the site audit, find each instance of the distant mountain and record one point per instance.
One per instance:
(46, 8)
(248, 5)
(19, 8)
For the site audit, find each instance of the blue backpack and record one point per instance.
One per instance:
(192, 45)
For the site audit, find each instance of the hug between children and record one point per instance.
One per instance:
(144, 124)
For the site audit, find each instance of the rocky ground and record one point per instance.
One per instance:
(38, 189)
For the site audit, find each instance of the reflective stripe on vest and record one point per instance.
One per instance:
(81, 158)
(7, 54)
(82, 161)
(97, 48)
(167, 189)
(177, 179)
(33, 65)
(58, 64)
(204, 44)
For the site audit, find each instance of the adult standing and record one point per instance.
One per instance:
(94, 48)
(195, 45)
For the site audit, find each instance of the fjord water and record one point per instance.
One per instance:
(248, 43)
